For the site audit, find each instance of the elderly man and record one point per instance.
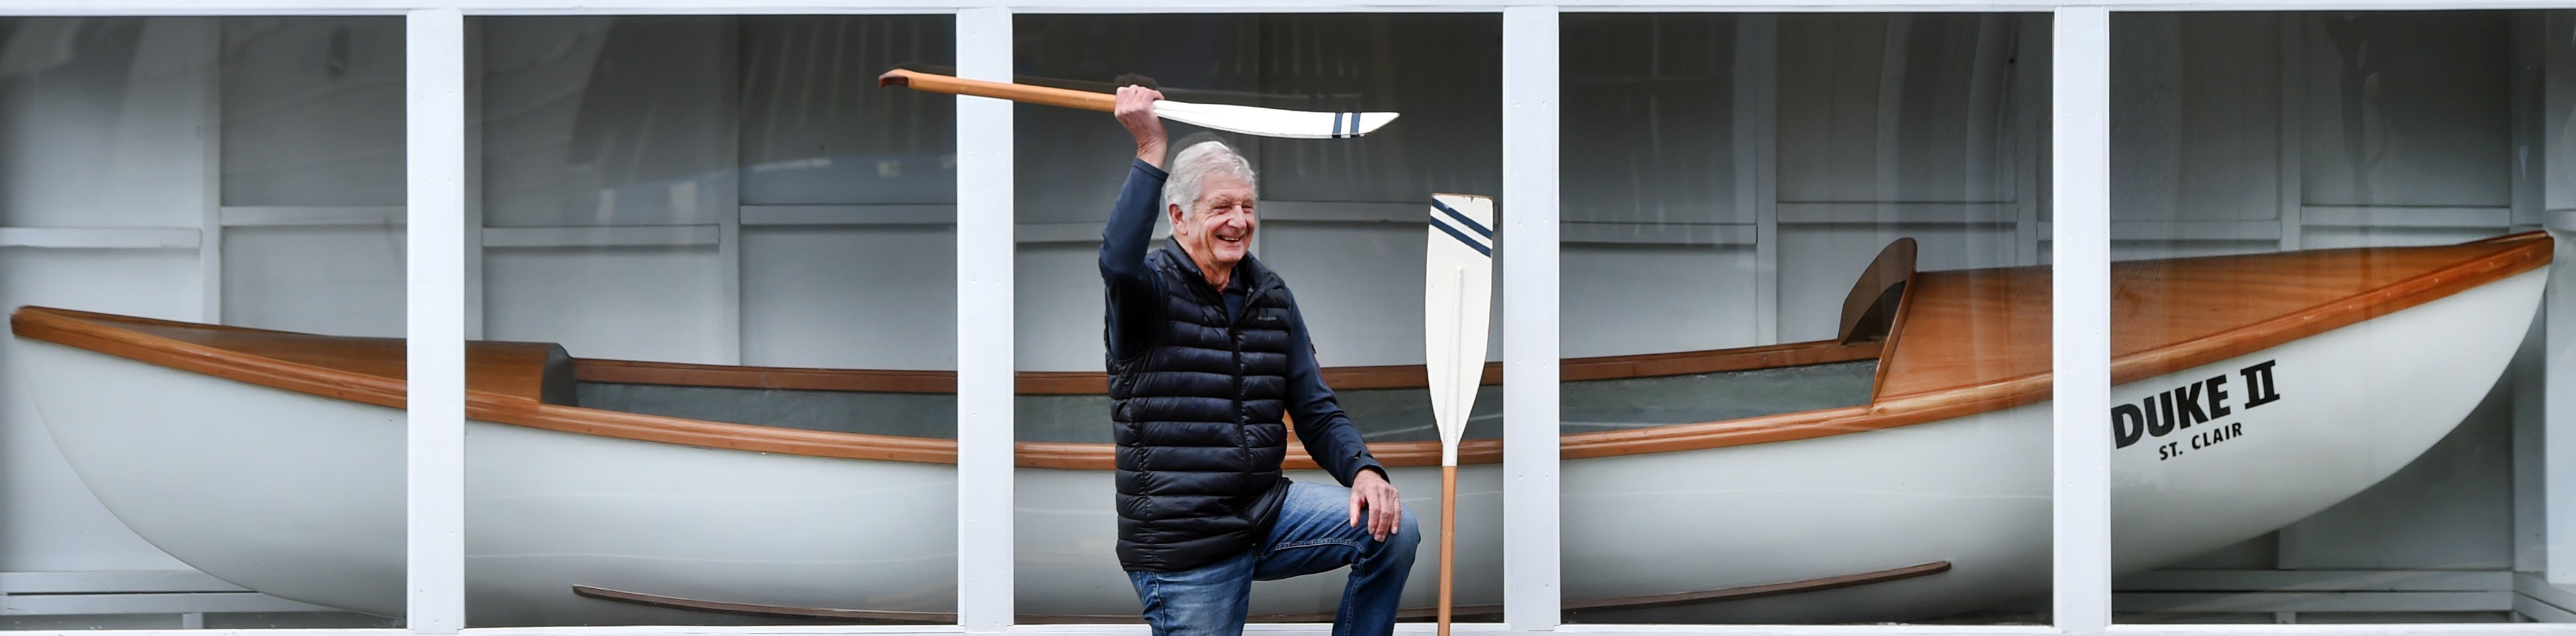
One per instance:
(1206, 353)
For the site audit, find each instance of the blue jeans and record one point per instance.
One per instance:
(1314, 534)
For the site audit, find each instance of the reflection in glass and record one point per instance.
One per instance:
(1806, 328)
(2343, 396)
(749, 247)
(1341, 220)
(165, 463)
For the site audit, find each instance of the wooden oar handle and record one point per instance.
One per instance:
(919, 81)
(1448, 540)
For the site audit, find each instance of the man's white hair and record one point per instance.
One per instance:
(1191, 167)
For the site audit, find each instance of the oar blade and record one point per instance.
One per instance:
(1274, 122)
(1457, 309)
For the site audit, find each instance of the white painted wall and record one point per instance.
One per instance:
(115, 123)
(895, 319)
(327, 279)
(312, 111)
(1651, 153)
(732, 125)
(610, 122)
(115, 146)
(2406, 110)
(1886, 127)
(1704, 299)
(312, 116)
(94, 107)
(1895, 108)
(2223, 100)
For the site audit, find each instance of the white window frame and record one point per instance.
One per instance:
(438, 267)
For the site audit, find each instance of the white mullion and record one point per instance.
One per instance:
(2293, 92)
(1757, 157)
(985, 260)
(434, 152)
(2080, 328)
(1531, 571)
(210, 233)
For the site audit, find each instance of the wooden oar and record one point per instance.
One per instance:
(1457, 309)
(1249, 120)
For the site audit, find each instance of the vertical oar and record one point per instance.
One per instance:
(1457, 309)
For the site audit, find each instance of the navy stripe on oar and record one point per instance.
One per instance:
(1462, 219)
(1461, 236)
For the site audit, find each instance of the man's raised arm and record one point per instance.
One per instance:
(1131, 226)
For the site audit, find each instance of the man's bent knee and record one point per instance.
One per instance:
(1407, 536)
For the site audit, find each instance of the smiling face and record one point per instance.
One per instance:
(1217, 230)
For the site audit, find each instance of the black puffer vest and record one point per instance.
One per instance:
(1198, 421)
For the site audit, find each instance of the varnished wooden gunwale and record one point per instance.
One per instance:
(2525, 252)
(1983, 382)
(368, 370)
(385, 387)
(2157, 331)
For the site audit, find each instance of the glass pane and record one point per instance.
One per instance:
(1342, 223)
(2326, 391)
(718, 324)
(1805, 318)
(170, 188)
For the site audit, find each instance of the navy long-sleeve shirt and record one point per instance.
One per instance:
(1135, 305)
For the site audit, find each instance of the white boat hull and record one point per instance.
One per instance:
(301, 497)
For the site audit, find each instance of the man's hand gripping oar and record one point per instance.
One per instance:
(1249, 120)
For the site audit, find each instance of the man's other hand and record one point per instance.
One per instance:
(1373, 497)
(1136, 111)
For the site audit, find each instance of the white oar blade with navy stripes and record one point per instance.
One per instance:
(1457, 310)
(1274, 122)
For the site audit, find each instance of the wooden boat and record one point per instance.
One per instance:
(1898, 471)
